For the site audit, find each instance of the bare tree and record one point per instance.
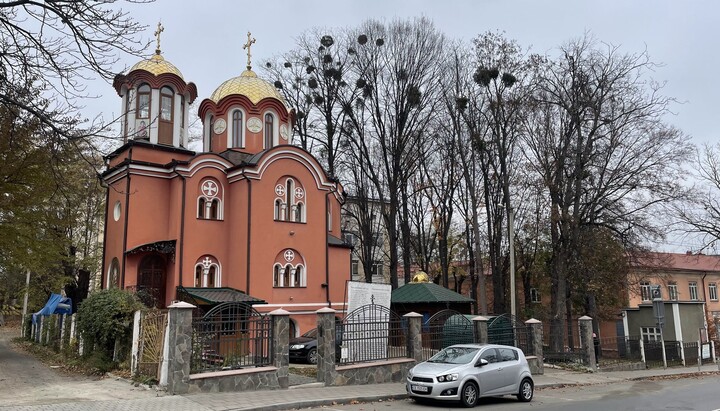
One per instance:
(55, 47)
(399, 71)
(597, 137)
(701, 213)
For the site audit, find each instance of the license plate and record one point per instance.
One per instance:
(420, 388)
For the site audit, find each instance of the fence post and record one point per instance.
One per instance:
(39, 329)
(414, 336)
(326, 345)
(682, 352)
(586, 341)
(699, 354)
(536, 342)
(63, 320)
(134, 354)
(480, 324)
(180, 343)
(281, 346)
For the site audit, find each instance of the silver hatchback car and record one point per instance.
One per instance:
(466, 372)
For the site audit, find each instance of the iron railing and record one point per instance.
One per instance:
(372, 333)
(443, 329)
(231, 336)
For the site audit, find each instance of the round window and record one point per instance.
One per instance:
(116, 211)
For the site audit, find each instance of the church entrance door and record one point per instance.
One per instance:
(151, 280)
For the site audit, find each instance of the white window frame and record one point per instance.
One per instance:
(205, 275)
(279, 275)
(230, 122)
(650, 334)
(672, 291)
(645, 291)
(693, 288)
(276, 127)
(712, 292)
(535, 295)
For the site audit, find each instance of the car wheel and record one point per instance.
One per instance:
(312, 356)
(526, 390)
(469, 394)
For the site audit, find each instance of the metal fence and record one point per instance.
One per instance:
(614, 351)
(231, 336)
(653, 353)
(151, 341)
(372, 333)
(443, 329)
(569, 351)
(505, 329)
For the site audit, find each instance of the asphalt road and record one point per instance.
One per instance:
(26, 381)
(686, 394)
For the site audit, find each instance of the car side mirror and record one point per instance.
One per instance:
(481, 362)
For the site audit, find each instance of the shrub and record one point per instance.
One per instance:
(106, 316)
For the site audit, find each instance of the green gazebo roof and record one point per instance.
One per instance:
(426, 293)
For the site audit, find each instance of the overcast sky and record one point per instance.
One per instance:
(204, 38)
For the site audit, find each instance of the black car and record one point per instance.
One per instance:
(304, 348)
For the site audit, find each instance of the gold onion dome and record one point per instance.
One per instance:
(249, 85)
(157, 65)
(420, 277)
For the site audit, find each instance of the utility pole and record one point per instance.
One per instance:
(511, 237)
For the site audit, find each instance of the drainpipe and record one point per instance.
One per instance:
(249, 227)
(105, 223)
(327, 249)
(181, 241)
(127, 215)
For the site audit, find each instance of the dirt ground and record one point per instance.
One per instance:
(26, 381)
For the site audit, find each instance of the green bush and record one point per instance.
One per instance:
(107, 316)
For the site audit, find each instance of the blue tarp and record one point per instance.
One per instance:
(56, 304)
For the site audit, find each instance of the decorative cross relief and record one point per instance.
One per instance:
(289, 255)
(299, 192)
(280, 190)
(207, 263)
(209, 188)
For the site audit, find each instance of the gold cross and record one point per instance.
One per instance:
(247, 45)
(159, 30)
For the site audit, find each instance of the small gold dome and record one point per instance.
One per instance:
(249, 85)
(420, 277)
(157, 65)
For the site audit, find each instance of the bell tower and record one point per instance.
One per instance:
(155, 101)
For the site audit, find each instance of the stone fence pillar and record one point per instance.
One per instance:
(480, 324)
(586, 341)
(281, 346)
(180, 346)
(135, 351)
(414, 336)
(535, 341)
(326, 345)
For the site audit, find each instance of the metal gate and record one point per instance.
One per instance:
(150, 346)
(445, 328)
(231, 335)
(505, 329)
(371, 333)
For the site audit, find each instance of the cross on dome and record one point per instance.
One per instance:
(247, 45)
(159, 30)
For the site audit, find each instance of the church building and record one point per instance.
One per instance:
(250, 218)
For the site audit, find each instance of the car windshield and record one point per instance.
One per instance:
(455, 355)
(311, 334)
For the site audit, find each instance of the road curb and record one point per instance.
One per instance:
(294, 405)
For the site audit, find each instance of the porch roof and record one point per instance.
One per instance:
(426, 293)
(220, 295)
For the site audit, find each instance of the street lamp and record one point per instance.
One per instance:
(511, 237)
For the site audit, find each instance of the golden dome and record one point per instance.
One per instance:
(157, 65)
(249, 85)
(420, 277)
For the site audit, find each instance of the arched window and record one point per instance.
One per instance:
(276, 276)
(201, 208)
(237, 128)
(210, 200)
(143, 101)
(269, 130)
(298, 212)
(182, 111)
(211, 119)
(166, 103)
(113, 278)
(278, 209)
(289, 203)
(207, 273)
(289, 269)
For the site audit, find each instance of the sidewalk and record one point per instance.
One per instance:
(314, 395)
